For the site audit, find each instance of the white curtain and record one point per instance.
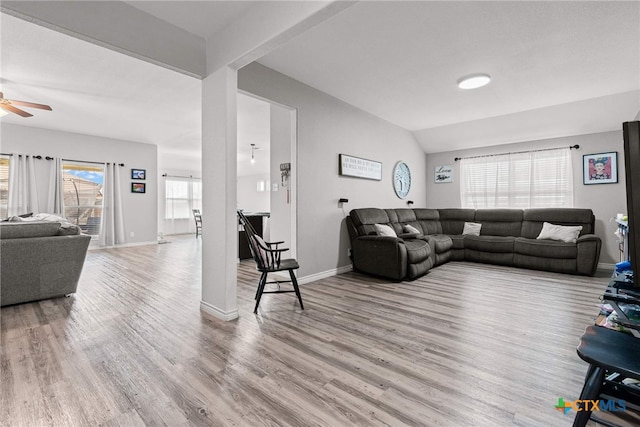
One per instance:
(55, 203)
(23, 194)
(112, 229)
(536, 179)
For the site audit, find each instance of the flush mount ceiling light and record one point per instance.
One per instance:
(474, 81)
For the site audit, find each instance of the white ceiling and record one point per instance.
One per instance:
(97, 91)
(400, 61)
(559, 68)
(202, 18)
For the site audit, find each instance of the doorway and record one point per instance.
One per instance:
(267, 147)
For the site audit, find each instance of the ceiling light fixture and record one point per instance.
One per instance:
(253, 158)
(474, 81)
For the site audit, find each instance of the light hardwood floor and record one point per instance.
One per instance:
(467, 344)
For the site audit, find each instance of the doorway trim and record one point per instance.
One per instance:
(293, 175)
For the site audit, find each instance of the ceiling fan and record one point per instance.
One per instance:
(9, 105)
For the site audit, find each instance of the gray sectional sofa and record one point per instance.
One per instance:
(507, 237)
(39, 260)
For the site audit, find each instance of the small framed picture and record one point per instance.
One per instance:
(600, 168)
(443, 174)
(139, 174)
(138, 187)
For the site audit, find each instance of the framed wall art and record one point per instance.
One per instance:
(138, 187)
(359, 168)
(443, 174)
(600, 168)
(138, 174)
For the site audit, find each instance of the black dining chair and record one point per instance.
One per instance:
(198, 218)
(267, 256)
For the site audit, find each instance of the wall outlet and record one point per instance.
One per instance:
(132, 234)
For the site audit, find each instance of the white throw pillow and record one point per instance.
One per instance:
(385, 230)
(565, 233)
(472, 228)
(410, 229)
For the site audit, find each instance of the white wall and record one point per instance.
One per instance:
(140, 210)
(637, 117)
(605, 199)
(249, 198)
(327, 127)
(280, 221)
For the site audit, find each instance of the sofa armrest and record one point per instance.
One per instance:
(410, 235)
(377, 238)
(588, 254)
(588, 238)
(380, 255)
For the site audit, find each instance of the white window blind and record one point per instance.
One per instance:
(181, 197)
(536, 179)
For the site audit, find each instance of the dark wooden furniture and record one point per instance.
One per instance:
(256, 221)
(614, 358)
(198, 218)
(268, 259)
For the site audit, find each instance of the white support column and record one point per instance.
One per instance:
(219, 183)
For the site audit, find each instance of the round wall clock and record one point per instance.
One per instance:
(401, 179)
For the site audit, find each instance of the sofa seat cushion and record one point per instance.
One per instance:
(458, 241)
(440, 242)
(417, 250)
(495, 244)
(545, 248)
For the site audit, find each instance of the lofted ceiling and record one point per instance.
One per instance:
(558, 68)
(400, 61)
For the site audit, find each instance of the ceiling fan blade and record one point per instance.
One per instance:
(29, 104)
(15, 110)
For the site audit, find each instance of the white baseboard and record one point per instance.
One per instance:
(124, 245)
(606, 266)
(216, 312)
(324, 274)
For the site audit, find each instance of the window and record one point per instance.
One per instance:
(4, 186)
(181, 197)
(537, 179)
(83, 183)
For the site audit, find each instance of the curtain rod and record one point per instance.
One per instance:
(517, 152)
(66, 160)
(86, 161)
(26, 155)
(179, 176)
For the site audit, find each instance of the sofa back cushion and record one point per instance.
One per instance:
(394, 218)
(500, 222)
(20, 230)
(364, 220)
(428, 221)
(534, 218)
(452, 220)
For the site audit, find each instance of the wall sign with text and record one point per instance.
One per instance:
(359, 168)
(443, 174)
